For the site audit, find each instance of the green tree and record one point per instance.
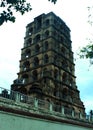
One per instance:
(8, 7)
(87, 51)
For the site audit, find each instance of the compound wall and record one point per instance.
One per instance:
(10, 121)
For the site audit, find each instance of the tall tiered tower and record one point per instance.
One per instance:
(46, 66)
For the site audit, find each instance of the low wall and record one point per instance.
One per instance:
(15, 114)
(10, 121)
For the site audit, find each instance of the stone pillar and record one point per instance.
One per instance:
(73, 113)
(91, 115)
(36, 103)
(80, 115)
(62, 110)
(17, 97)
(51, 107)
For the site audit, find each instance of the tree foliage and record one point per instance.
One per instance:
(8, 7)
(54, 1)
(87, 51)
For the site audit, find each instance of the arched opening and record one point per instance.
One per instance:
(37, 48)
(64, 77)
(46, 58)
(25, 78)
(57, 107)
(46, 45)
(35, 75)
(26, 65)
(46, 34)
(47, 22)
(36, 61)
(64, 93)
(29, 41)
(55, 59)
(46, 73)
(55, 74)
(64, 64)
(63, 50)
(30, 31)
(37, 38)
(35, 88)
(27, 53)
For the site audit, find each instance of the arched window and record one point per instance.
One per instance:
(26, 65)
(30, 31)
(55, 21)
(47, 22)
(62, 39)
(37, 48)
(55, 59)
(28, 42)
(64, 77)
(46, 33)
(25, 78)
(46, 45)
(63, 50)
(71, 81)
(37, 38)
(57, 107)
(56, 93)
(64, 93)
(46, 58)
(36, 61)
(27, 53)
(34, 75)
(64, 64)
(54, 33)
(56, 74)
(45, 72)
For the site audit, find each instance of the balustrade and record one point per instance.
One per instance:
(42, 104)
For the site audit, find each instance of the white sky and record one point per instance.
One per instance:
(75, 14)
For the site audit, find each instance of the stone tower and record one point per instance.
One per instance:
(46, 66)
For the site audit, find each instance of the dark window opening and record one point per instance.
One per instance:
(27, 53)
(25, 78)
(36, 61)
(64, 93)
(64, 64)
(61, 39)
(46, 58)
(55, 21)
(46, 73)
(30, 31)
(38, 22)
(47, 22)
(55, 59)
(35, 75)
(46, 45)
(57, 107)
(47, 33)
(29, 41)
(26, 65)
(56, 74)
(37, 48)
(64, 77)
(63, 51)
(37, 38)
(45, 80)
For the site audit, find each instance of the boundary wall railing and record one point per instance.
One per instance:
(43, 105)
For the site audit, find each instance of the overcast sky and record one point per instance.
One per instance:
(75, 14)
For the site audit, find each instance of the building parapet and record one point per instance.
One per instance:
(18, 101)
